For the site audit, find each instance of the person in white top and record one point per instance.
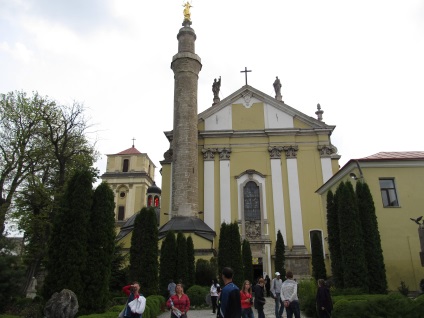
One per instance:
(215, 288)
(275, 290)
(289, 296)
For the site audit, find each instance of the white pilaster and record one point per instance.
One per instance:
(277, 196)
(295, 207)
(209, 194)
(327, 172)
(224, 182)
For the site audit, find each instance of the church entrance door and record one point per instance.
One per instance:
(258, 269)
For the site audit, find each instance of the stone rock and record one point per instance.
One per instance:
(62, 305)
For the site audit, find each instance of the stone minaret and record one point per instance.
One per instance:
(186, 66)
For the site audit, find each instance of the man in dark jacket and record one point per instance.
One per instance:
(230, 304)
(324, 301)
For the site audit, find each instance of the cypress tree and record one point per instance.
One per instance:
(100, 247)
(144, 251)
(168, 257)
(182, 258)
(190, 263)
(247, 261)
(68, 246)
(280, 255)
(135, 248)
(223, 252)
(318, 265)
(229, 253)
(204, 272)
(377, 281)
(334, 239)
(149, 253)
(235, 254)
(351, 238)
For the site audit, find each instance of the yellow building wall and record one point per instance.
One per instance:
(248, 118)
(398, 234)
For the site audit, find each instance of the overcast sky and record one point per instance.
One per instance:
(363, 61)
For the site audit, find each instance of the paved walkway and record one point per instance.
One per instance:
(268, 310)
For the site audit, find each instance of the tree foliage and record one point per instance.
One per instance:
(144, 265)
(318, 264)
(168, 257)
(182, 264)
(204, 272)
(42, 143)
(191, 269)
(100, 250)
(68, 247)
(280, 257)
(377, 281)
(334, 239)
(229, 252)
(247, 261)
(351, 238)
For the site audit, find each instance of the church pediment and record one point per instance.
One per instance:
(251, 109)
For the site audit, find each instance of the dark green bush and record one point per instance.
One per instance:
(197, 295)
(307, 290)
(372, 306)
(403, 288)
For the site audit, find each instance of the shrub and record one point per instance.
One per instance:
(403, 289)
(307, 290)
(197, 295)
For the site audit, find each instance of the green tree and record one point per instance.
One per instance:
(144, 265)
(68, 247)
(377, 281)
(168, 263)
(318, 264)
(204, 272)
(334, 239)
(247, 261)
(21, 149)
(119, 272)
(223, 251)
(191, 266)
(351, 238)
(280, 256)
(100, 248)
(182, 264)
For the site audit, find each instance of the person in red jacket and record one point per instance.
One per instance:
(178, 303)
(246, 300)
(136, 302)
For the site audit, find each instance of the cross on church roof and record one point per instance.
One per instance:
(245, 73)
(133, 141)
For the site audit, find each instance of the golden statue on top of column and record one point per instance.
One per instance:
(186, 11)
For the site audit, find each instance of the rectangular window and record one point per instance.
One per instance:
(126, 165)
(388, 192)
(121, 213)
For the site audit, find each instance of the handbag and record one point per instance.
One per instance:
(122, 313)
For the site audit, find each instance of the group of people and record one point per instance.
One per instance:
(231, 302)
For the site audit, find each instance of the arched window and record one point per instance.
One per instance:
(156, 201)
(126, 165)
(252, 207)
(149, 200)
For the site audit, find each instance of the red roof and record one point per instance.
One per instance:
(130, 151)
(401, 155)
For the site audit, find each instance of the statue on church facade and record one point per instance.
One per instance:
(216, 86)
(186, 11)
(277, 88)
